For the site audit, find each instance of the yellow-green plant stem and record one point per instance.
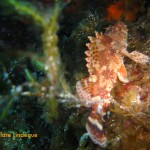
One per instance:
(50, 40)
(52, 61)
(25, 8)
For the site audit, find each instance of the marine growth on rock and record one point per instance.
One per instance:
(105, 64)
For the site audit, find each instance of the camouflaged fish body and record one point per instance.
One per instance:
(105, 65)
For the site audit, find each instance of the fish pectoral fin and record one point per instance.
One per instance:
(83, 89)
(122, 74)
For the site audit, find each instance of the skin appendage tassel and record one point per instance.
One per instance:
(105, 66)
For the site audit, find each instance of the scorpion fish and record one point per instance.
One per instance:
(105, 66)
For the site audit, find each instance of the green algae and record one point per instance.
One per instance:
(48, 76)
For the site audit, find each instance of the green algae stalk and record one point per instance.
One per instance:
(50, 40)
(6, 109)
(52, 61)
(29, 76)
(39, 65)
(25, 8)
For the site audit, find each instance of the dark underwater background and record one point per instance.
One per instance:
(42, 45)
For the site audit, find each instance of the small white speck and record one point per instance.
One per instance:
(46, 67)
(43, 88)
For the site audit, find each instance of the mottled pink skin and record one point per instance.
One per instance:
(104, 63)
